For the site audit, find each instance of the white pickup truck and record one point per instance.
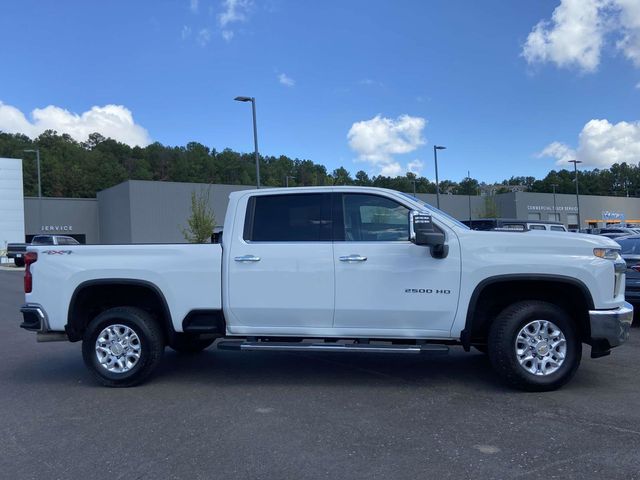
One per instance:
(336, 269)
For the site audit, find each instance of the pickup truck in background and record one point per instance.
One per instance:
(336, 269)
(17, 251)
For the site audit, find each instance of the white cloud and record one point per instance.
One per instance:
(600, 144)
(638, 85)
(204, 36)
(285, 80)
(186, 32)
(630, 22)
(377, 140)
(578, 30)
(113, 121)
(415, 166)
(573, 36)
(193, 6)
(234, 11)
(561, 152)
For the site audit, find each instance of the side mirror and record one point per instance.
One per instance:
(424, 232)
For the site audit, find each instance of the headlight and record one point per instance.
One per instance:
(607, 253)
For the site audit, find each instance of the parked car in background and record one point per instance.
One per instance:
(513, 224)
(17, 251)
(615, 232)
(631, 253)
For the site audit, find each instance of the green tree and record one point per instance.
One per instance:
(201, 222)
(491, 209)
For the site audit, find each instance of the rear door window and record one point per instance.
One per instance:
(289, 218)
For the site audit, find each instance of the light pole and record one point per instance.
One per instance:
(286, 180)
(414, 187)
(555, 210)
(575, 169)
(435, 156)
(37, 152)
(255, 133)
(469, 195)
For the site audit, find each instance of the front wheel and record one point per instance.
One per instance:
(122, 346)
(534, 346)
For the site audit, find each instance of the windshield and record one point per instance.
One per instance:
(434, 209)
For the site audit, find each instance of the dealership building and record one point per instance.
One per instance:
(156, 212)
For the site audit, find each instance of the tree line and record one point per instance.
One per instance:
(81, 169)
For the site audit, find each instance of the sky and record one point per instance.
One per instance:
(510, 88)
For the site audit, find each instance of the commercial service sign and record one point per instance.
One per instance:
(549, 208)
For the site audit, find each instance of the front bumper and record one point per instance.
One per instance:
(609, 328)
(34, 318)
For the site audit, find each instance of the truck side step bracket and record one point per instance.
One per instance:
(331, 347)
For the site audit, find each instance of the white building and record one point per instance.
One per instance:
(11, 203)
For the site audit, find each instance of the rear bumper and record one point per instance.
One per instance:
(609, 328)
(34, 318)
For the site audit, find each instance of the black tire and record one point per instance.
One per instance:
(502, 350)
(151, 340)
(185, 343)
(18, 262)
(482, 348)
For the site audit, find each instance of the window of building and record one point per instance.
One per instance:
(553, 217)
(572, 220)
(534, 216)
(371, 218)
(289, 218)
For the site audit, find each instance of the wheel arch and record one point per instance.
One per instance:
(512, 288)
(94, 296)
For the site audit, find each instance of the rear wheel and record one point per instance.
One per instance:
(185, 343)
(534, 346)
(122, 346)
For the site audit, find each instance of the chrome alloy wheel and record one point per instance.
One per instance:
(118, 348)
(541, 347)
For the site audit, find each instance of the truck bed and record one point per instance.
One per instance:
(188, 275)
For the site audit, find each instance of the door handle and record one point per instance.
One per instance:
(353, 258)
(247, 258)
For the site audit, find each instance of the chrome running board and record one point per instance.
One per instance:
(331, 347)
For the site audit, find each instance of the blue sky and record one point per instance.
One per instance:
(474, 76)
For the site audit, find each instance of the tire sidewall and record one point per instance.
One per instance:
(516, 317)
(120, 316)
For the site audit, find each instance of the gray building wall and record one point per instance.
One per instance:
(593, 208)
(114, 214)
(63, 216)
(155, 212)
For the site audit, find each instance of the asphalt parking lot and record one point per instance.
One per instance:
(223, 414)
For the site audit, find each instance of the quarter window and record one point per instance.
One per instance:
(371, 218)
(288, 218)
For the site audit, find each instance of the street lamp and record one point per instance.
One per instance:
(286, 180)
(575, 168)
(555, 210)
(255, 133)
(37, 152)
(435, 156)
(414, 187)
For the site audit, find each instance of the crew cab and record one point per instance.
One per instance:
(336, 269)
